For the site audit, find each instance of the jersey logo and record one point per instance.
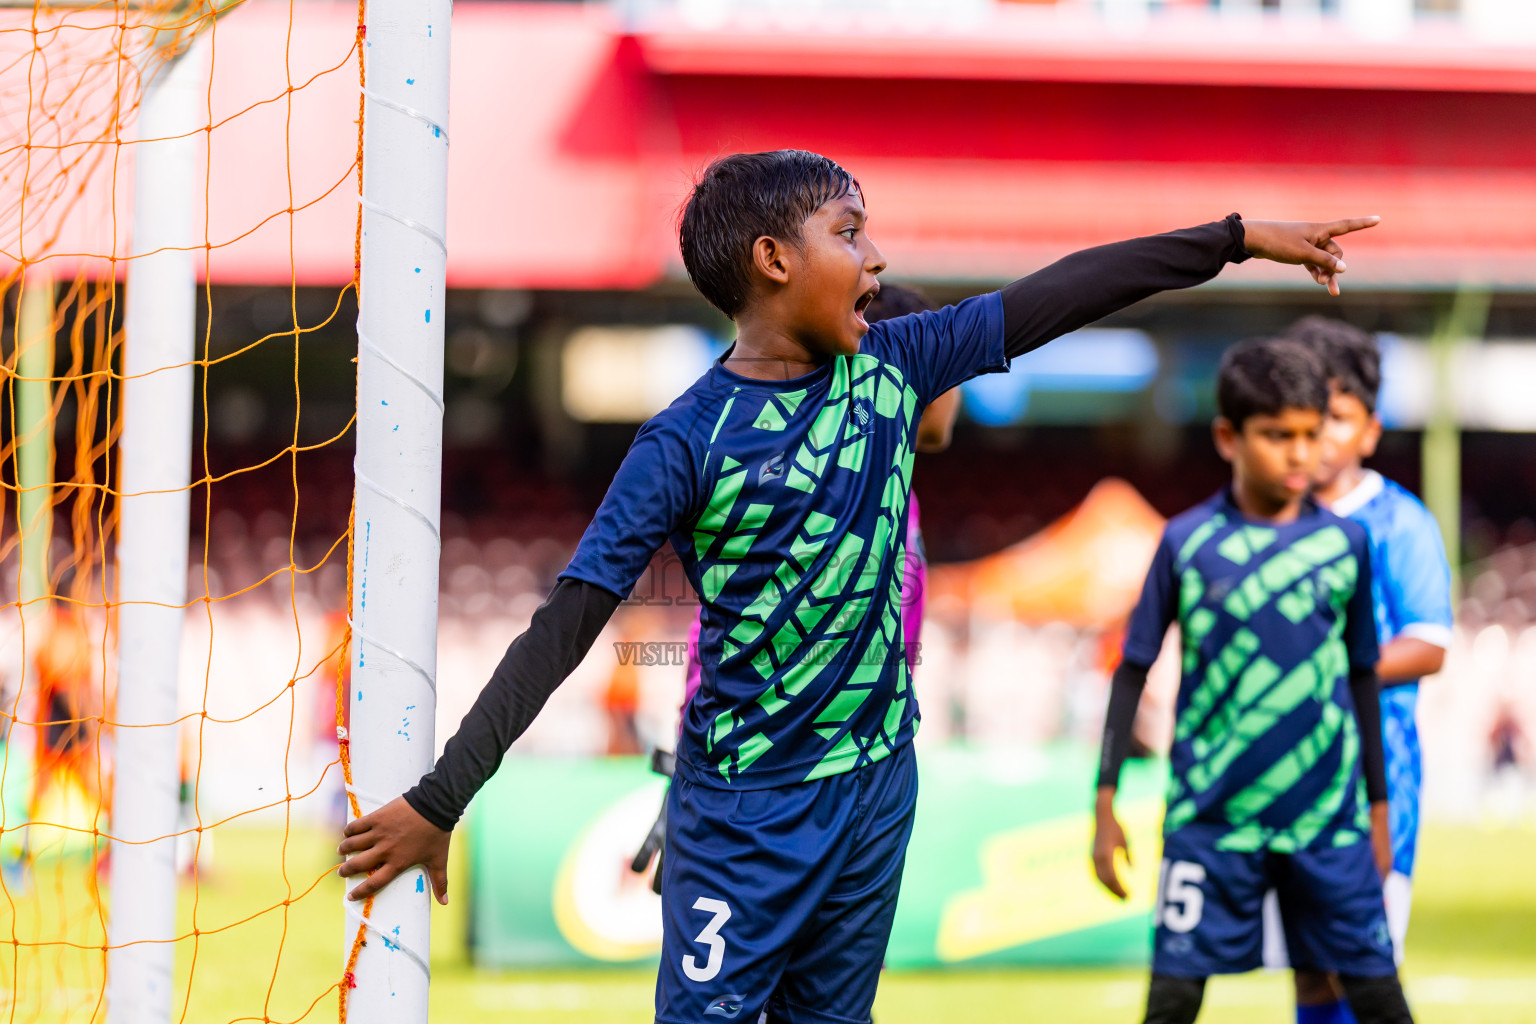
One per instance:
(773, 469)
(1216, 590)
(864, 415)
(727, 1006)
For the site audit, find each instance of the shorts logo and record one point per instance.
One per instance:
(728, 1006)
(864, 415)
(773, 469)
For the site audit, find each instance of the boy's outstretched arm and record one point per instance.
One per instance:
(1089, 285)
(1125, 690)
(415, 828)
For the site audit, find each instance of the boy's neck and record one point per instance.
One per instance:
(765, 351)
(1343, 483)
(1259, 506)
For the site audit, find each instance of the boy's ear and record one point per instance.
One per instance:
(1225, 436)
(1371, 437)
(771, 258)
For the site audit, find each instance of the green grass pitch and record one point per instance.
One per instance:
(1471, 956)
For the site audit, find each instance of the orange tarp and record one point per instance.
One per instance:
(1086, 568)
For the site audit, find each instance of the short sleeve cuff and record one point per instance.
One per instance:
(1429, 632)
(996, 356)
(1136, 654)
(590, 574)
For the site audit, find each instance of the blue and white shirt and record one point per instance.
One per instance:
(1411, 577)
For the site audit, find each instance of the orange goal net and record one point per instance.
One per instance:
(263, 635)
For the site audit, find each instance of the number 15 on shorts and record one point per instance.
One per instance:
(1180, 901)
(710, 937)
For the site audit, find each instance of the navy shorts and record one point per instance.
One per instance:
(782, 898)
(1209, 914)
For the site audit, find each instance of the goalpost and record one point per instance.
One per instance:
(398, 475)
(156, 468)
(394, 545)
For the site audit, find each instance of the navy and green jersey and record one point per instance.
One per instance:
(786, 503)
(1272, 618)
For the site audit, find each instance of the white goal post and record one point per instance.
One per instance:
(156, 464)
(398, 471)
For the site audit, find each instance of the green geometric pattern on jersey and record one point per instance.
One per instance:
(843, 593)
(1243, 692)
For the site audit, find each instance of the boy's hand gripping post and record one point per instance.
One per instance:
(392, 840)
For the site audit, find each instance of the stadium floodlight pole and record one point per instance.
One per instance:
(1461, 323)
(398, 472)
(156, 461)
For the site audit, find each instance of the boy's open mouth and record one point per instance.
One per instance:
(863, 303)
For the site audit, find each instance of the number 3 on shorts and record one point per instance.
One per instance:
(1180, 902)
(710, 937)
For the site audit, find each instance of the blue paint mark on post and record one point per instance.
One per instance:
(362, 594)
(410, 81)
(429, 316)
(418, 270)
(420, 886)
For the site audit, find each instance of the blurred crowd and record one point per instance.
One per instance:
(985, 677)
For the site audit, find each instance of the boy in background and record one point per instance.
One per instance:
(1411, 584)
(1277, 716)
(781, 480)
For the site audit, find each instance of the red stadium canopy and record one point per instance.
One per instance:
(983, 153)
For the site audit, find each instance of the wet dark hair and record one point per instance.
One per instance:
(1351, 355)
(741, 198)
(1262, 376)
(896, 300)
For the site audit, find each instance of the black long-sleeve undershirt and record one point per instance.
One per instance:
(1125, 688)
(1365, 688)
(1089, 285)
(1130, 680)
(561, 632)
(1068, 294)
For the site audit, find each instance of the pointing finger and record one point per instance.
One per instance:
(1344, 227)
